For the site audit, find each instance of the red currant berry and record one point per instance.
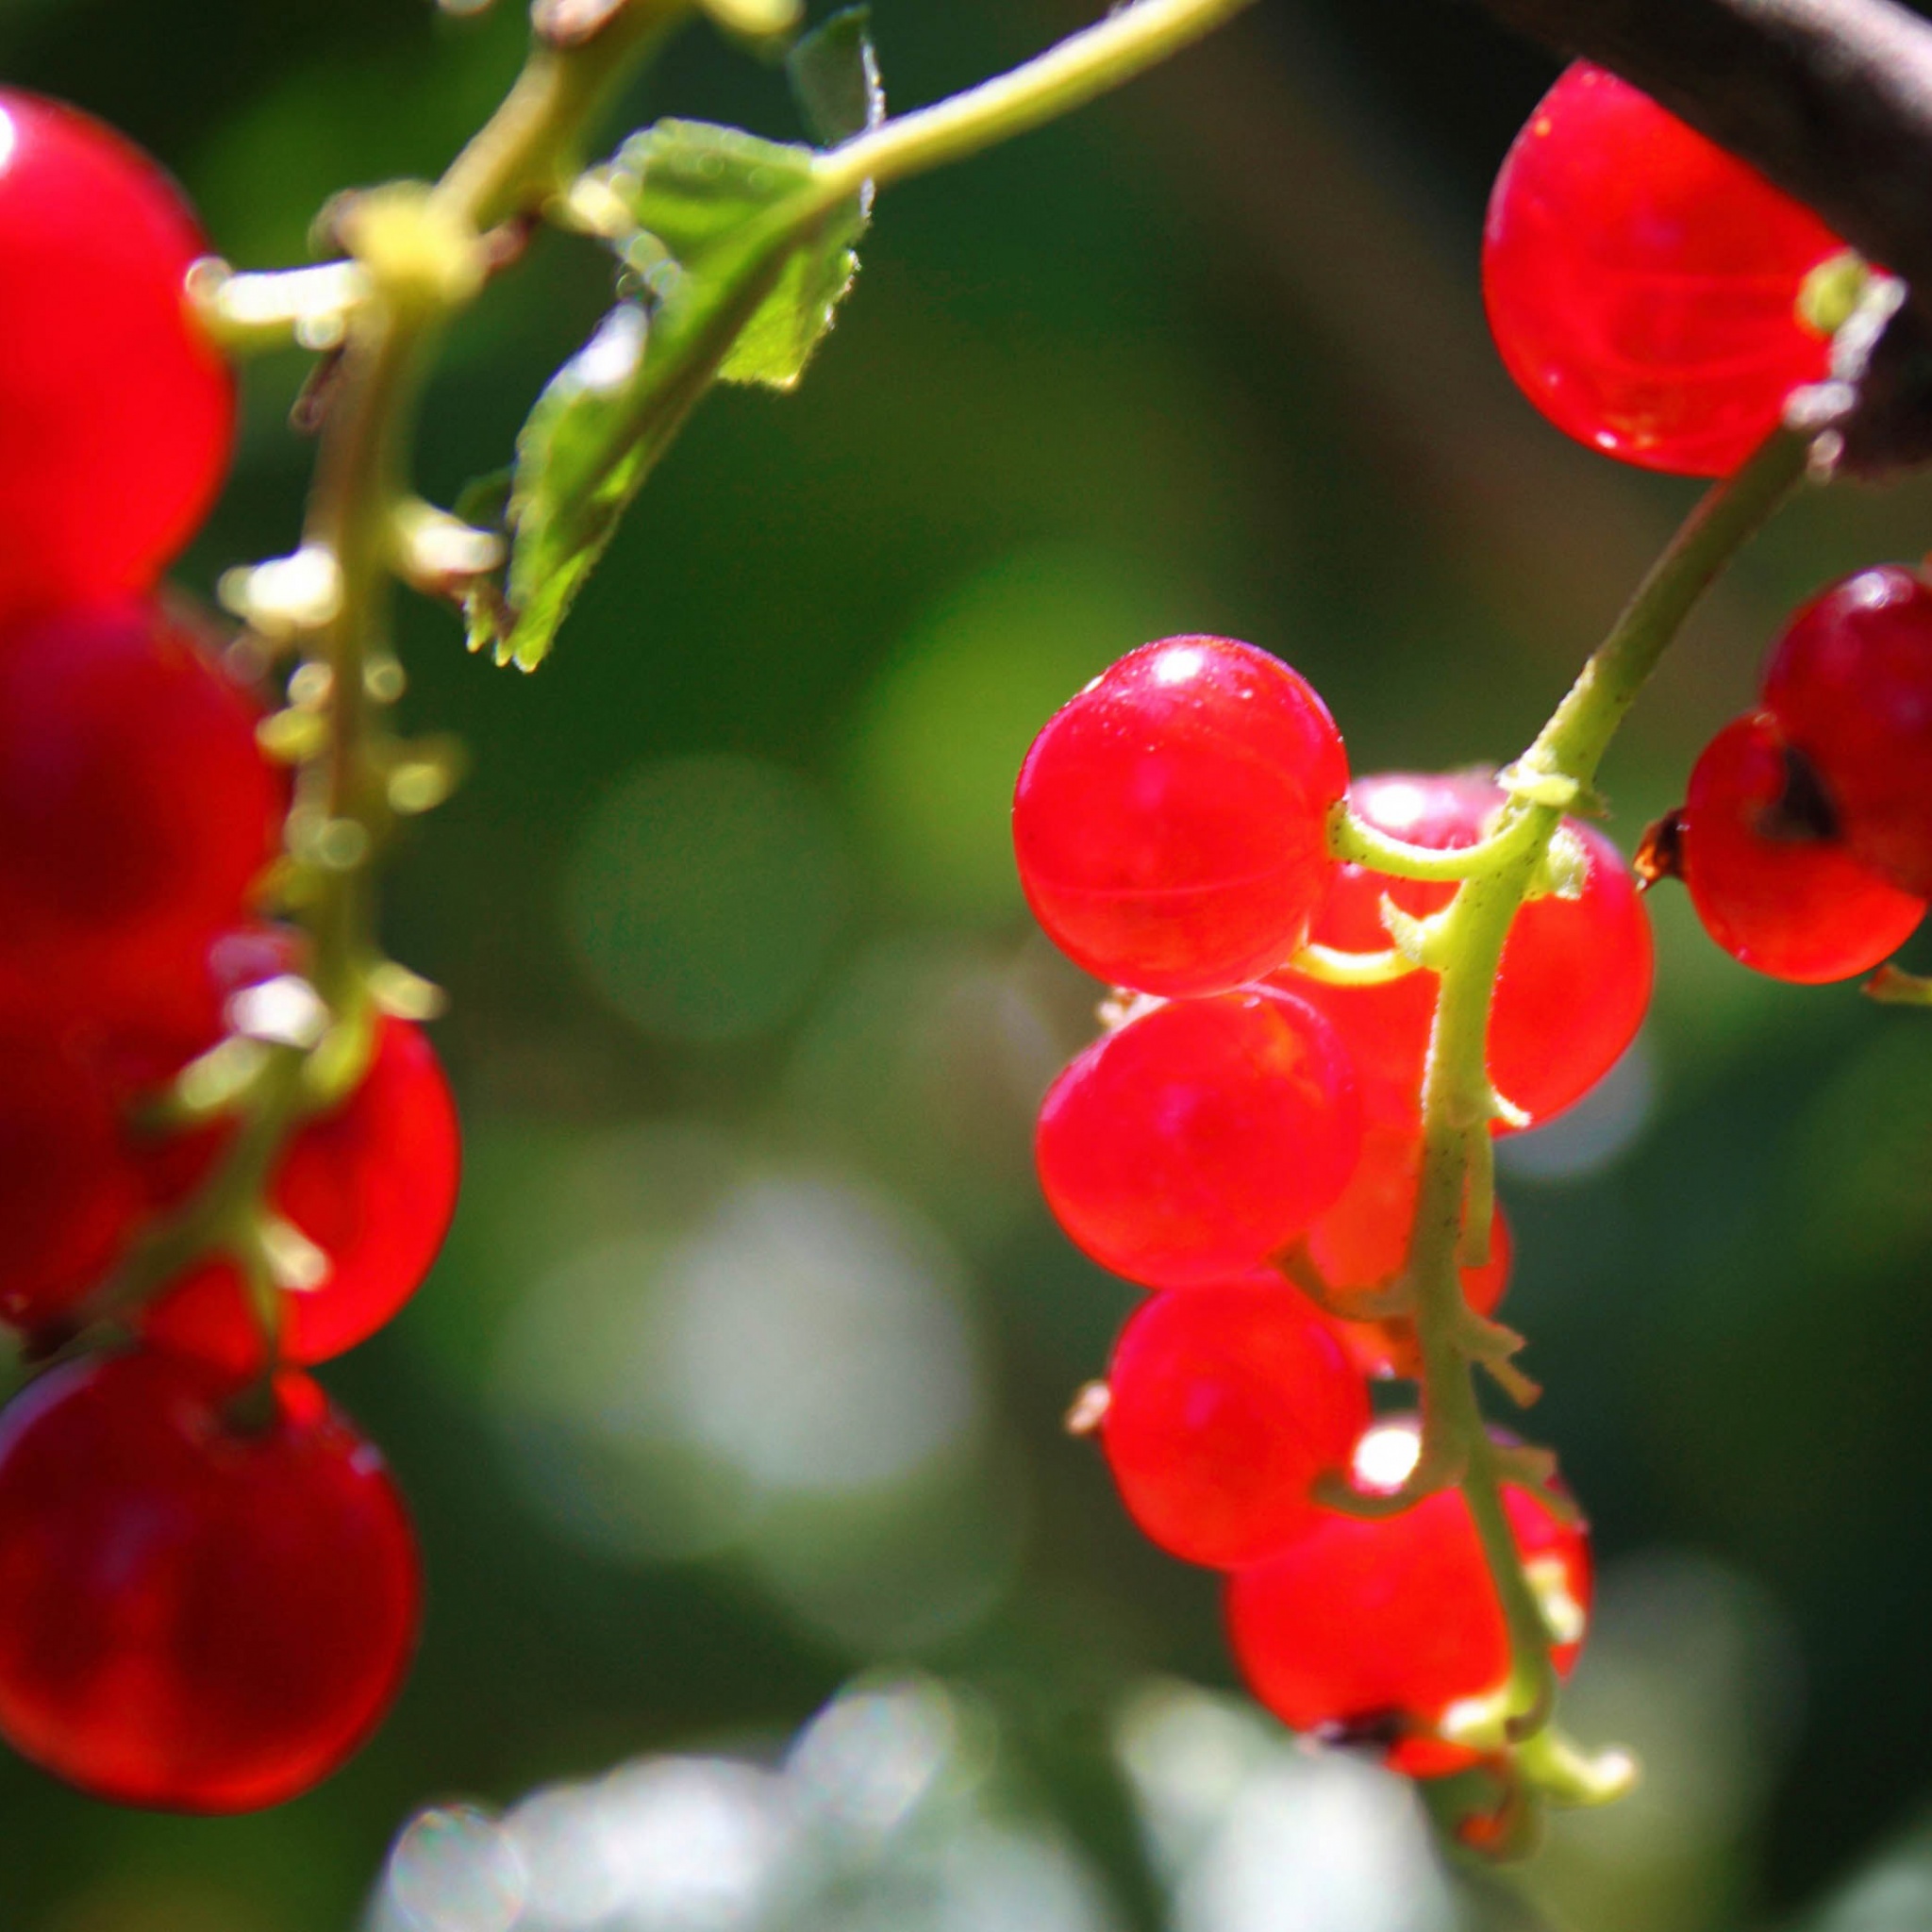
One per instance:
(1224, 1405)
(1201, 1138)
(1774, 886)
(1384, 1624)
(373, 1186)
(116, 413)
(194, 1615)
(1575, 974)
(1361, 1243)
(76, 1182)
(135, 810)
(1850, 685)
(1170, 822)
(1642, 284)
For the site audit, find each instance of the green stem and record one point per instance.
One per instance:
(1458, 1101)
(1104, 56)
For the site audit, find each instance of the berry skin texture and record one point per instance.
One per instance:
(1383, 1624)
(117, 415)
(373, 1186)
(1576, 977)
(1850, 685)
(194, 1617)
(1198, 1139)
(1224, 1405)
(135, 810)
(1641, 283)
(1170, 821)
(1361, 1243)
(1781, 899)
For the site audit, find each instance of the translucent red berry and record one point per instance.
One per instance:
(1170, 822)
(135, 810)
(1224, 1405)
(77, 1182)
(116, 413)
(195, 1614)
(372, 1186)
(1361, 1244)
(1201, 1138)
(1756, 844)
(1642, 284)
(1575, 975)
(1381, 1625)
(1850, 685)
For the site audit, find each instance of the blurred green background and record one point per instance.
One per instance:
(741, 1380)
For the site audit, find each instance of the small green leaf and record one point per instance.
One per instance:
(697, 189)
(835, 77)
(738, 261)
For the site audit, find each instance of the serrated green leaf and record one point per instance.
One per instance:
(696, 190)
(740, 259)
(834, 72)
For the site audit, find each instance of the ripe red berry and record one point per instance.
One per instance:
(1642, 284)
(1850, 685)
(1170, 821)
(194, 1616)
(1771, 882)
(135, 810)
(116, 413)
(1575, 974)
(1224, 1405)
(1382, 1625)
(373, 1186)
(1361, 1244)
(1198, 1139)
(77, 1182)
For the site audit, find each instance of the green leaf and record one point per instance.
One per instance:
(835, 77)
(698, 190)
(740, 260)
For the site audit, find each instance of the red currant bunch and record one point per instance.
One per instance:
(1247, 1128)
(209, 1585)
(1643, 286)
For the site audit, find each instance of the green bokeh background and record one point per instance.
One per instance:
(734, 945)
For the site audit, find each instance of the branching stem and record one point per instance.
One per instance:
(1458, 1102)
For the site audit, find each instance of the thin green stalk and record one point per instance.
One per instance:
(1088, 64)
(1458, 1101)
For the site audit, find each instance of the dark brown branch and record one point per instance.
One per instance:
(1831, 99)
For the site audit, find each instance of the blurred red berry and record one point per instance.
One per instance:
(194, 1616)
(1224, 1405)
(1170, 821)
(372, 1186)
(117, 415)
(1642, 284)
(135, 811)
(1201, 1138)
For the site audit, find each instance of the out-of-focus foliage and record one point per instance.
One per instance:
(741, 1378)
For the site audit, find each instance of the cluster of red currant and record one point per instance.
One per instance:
(1658, 299)
(209, 1585)
(1245, 1131)
(1253, 1124)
